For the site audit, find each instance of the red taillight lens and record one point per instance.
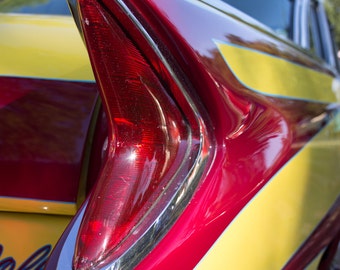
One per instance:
(154, 149)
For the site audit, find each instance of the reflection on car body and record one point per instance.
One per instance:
(212, 127)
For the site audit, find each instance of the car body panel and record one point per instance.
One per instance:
(33, 130)
(47, 100)
(303, 83)
(251, 148)
(276, 222)
(42, 46)
(258, 133)
(272, 110)
(27, 239)
(47, 80)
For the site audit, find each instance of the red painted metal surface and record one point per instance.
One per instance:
(255, 135)
(43, 128)
(255, 138)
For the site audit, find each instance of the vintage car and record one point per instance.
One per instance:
(165, 134)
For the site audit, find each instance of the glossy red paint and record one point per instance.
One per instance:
(8, 97)
(257, 136)
(254, 135)
(42, 137)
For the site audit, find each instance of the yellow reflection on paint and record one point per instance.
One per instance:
(284, 213)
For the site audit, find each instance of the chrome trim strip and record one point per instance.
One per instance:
(66, 254)
(73, 5)
(326, 38)
(235, 13)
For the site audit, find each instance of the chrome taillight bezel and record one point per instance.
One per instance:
(181, 193)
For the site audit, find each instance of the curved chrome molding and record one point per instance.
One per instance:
(65, 257)
(73, 5)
